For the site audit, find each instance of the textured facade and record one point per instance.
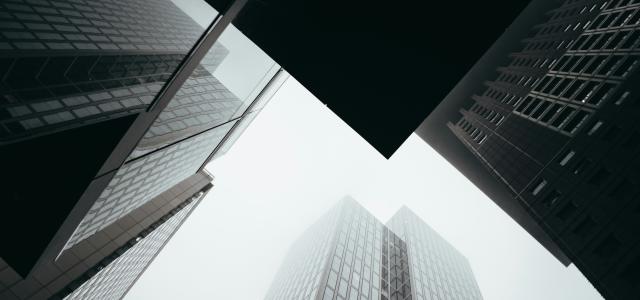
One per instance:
(106, 265)
(66, 64)
(349, 254)
(558, 128)
(129, 98)
(438, 270)
(119, 105)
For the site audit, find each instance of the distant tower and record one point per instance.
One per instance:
(349, 254)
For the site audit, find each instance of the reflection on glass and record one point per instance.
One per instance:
(229, 78)
(141, 180)
(257, 105)
(64, 65)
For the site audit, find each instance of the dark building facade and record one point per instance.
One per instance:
(114, 103)
(556, 133)
(335, 51)
(106, 265)
(349, 254)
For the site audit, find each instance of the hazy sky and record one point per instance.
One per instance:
(298, 159)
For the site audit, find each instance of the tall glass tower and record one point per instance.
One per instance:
(349, 254)
(108, 105)
(553, 137)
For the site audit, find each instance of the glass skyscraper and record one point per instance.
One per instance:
(107, 264)
(349, 254)
(553, 137)
(110, 108)
(438, 270)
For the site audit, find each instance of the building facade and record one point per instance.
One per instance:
(438, 270)
(116, 102)
(118, 105)
(107, 264)
(349, 254)
(558, 129)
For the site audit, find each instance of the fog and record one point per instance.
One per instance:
(298, 159)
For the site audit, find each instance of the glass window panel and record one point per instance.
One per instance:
(97, 72)
(227, 80)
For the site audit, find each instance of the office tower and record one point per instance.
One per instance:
(438, 270)
(106, 265)
(553, 139)
(349, 254)
(67, 64)
(111, 104)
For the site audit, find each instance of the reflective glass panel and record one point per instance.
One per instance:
(66, 64)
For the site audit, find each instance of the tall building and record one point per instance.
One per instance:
(553, 138)
(349, 254)
(106, 265)
(109, 105)
(438, 270)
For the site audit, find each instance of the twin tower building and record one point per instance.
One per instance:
(349, 254)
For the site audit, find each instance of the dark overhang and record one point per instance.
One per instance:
(381, 66)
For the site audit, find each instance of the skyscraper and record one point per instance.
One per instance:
(106, 265)
(553, 139)
(113, 103)
(349, 254)
(438, 270)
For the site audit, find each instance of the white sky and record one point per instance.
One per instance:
(298, 159)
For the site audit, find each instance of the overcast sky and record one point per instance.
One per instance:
(293, 163)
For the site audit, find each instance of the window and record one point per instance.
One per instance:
(587, 91)
(622, 98)
(483, 139)
(538, 186)
(602, 41)
(523, 104)
(595, 128)
(595, 64)
(542, 108)
(618, 38)
(589, 42)
(603, 92)
(564, 115)
(575, 85)
(551, 112)
(631, 40)
(551, 199)
(610, 65)
(543, 82)
(567, 157)
(583, 63)
(626, 66)
(633, 19)
(562, 86)
(581, 166)
(530, 108)
(552, 84)
(563, 60)
(576, 121)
